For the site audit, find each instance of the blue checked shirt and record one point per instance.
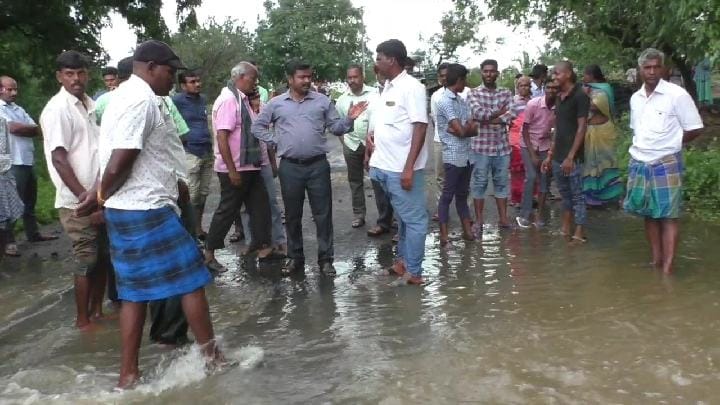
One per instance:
(455, 150)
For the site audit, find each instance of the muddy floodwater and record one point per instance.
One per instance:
(519, 317)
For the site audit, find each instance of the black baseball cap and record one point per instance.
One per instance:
(158, 52)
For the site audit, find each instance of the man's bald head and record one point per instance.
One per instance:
(565, 74)
(8, 89)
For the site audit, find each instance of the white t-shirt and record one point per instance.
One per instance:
(402, 103)
(660, 120)
(67, 123)
(436, 96)
(136, 118)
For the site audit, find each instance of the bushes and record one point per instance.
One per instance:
(701, 180)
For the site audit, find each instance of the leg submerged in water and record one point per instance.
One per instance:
(132, 320)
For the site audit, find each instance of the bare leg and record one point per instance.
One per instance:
(98, 280)
(199, 209)
(653, 235)
(197, 312)
(443, 234)
(566, 222)
(669, 230)
(502, 211)
(479, 209)
(541, 205)
(467, 229)
(82, 301)
(579, 232)
(132, 320)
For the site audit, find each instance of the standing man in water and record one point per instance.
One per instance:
(71, 148)
(154, 256)
(398, 161)
(566, 156)
(300, 117)
(437, 144)
(354, 141)
(663, 117)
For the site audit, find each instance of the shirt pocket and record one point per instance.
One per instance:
(659, 120)
(393, 114)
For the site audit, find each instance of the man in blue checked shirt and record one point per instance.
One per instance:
(455, 129)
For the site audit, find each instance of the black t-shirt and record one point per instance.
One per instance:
(567, 112)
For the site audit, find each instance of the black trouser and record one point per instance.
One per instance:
(26, 182)
(253, 194)
(169, 325)
(355, 162)
(384, 208)
(313, 178)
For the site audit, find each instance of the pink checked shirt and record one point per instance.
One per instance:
(540, 120)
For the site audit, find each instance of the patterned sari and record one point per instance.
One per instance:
(601, 176)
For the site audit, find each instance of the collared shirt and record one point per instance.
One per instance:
(535, 90)
(5, 158)
(455, 150)
(354, 139)
(193, 109)
(434, 99)
(227, 116)
(574, 105)
(102, 102)
(22, 148)
(540, 119)
(660, 120)
(70, 124)
(402, 103)
(300, 125)
(492, 139)
(138, 119)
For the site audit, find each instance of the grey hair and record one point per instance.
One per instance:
(242, 69)
(651, 54)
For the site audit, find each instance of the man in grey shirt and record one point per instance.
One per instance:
(300, 118)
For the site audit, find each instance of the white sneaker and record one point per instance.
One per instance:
(522, 222)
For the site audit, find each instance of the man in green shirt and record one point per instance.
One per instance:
(354, 142)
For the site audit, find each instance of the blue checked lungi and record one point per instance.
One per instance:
(654, 189)
(153, 255)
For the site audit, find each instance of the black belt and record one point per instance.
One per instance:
(306, 161)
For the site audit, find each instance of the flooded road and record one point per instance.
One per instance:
(519, 317)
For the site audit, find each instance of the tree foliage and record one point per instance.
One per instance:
(686, 30)
(214, 49)
(459, 29)
(324, 33)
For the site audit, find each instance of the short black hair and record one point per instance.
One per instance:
(442, 66)
(294, 65)
(538, 71)
(72, 60)
(455, 72)
(519, 75)
(394, 48)
(596, 73)
(491, 62)
(109, 70)
(184, 74)
(355, 66)
(125, 68)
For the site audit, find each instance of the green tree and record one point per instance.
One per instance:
(686, 32)
(214, 49)
(459, 29)
(325, 33)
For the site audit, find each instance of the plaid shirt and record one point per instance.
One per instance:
(455, 150)
(492, 139)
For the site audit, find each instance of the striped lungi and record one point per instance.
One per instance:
(153, 255)
(654, 189)
(11, 206)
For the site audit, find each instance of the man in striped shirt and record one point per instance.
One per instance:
(490, 148)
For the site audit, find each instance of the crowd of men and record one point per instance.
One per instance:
(133, 169)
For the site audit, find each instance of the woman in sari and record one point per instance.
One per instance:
(601, 176)
(517, 168)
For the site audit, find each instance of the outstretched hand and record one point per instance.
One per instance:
(357, 109)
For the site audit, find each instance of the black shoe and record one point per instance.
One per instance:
(328, 269)
(293, 266)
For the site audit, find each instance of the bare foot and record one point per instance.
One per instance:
(103, 317)
(127, 381)
(88, 327)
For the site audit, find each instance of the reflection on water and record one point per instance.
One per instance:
(519, 317)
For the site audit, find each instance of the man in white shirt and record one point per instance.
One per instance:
(437, 145)
(22, 151)
(71, 144)
(400, 155)
(141, 182)
(663, 117)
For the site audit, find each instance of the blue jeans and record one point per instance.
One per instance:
(411, 212)
(570, 188)
(531, 175)
(485, 166)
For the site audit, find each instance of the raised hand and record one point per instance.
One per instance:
(357, 109)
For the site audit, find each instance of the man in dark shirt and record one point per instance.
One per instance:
(198, 142)
(565, 157)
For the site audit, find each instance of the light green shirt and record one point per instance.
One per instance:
(354, 139)
(264, 95)
(182, 128)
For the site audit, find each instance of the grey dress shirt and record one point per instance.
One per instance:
(299, 126)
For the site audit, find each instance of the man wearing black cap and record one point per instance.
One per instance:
(141, 185)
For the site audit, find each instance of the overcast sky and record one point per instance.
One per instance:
(405, 20)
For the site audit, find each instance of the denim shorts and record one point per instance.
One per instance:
(497, 167)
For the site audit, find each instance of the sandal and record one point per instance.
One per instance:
(11, 250)
(579, 239)
(215, 267)
(358, 222)
(376, 231)
(237, 237)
